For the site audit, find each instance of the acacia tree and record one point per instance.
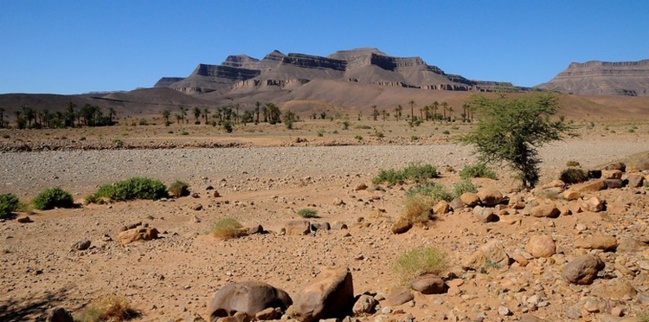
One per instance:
(510, 131)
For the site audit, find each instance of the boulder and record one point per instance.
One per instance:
(297, 227)
(614, 183)
(545, 210)
(247, 297)
(490, 196)
(441, 208)
(364, 305)
(330, 295)
(401, 226)
(484, 215)
(59, 314)
(594, 204)
(616, 166)
(81, 245)
(611, 174)
(137, 234)
(399, 296)
(456, 204)
(635, 180)
(615, 289)
(597, 242)
(583, 269)
(470, 199)
(428, 284)
(590, 186)
(571, 194)
(268, 314)
(554, 184)
(489, 255)
(541, 246)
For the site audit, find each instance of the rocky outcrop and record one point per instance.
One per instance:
(629, 78)
(247, 297)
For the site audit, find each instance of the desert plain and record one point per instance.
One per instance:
(264, 174)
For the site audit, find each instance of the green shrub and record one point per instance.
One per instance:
(179, 189)
(53, 197)
(134, 188)
(446, 132)
(308, 213)
(428, 260)
(415, 171)
(358, 138)
(183, 132)
(8, 204)
(643, 316)
(573, 175)
(462, 187)
(227, 126)
(478, 170)
(118, 143)
(435, 192)
(414, 138)
(572, 163)
(417, 208)
(345, 125)
(227, 228)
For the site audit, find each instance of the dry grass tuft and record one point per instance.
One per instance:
(108, 308)
(417, 208)
(428, 260)
(227, 228)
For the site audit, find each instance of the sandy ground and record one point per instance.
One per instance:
(266, 184)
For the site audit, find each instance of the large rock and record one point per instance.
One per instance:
(611, 174)
(490, 196)
(621, 166)
(571, 194)
(364, 305)
(582, 270)
(470, 199)
(488, 256)
(297, 227)
(614, 183)
(247, 297)
(541, 246)
(635, 180)
(428, 284)
(597, 242)
(136, 234)
(590, 186)
(330, 295)
(594, 204)
(484, 215)
(401, 226)
(615, 289)
(441, 208)
(399, 296)
(545, 210)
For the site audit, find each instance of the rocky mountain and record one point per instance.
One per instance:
(276, 72)
(603, 78)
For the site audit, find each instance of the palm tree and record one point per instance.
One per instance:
(444, 106)
(257, 109)
(435, 107)
(412, 109)
(182, 114)
(206, 113)
(111, 114)
(375, 113)
(450, 113)
(165, 116)
(197, 115)
(274, 113)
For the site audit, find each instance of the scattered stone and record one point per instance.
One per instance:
(24, 219)
(531, 318)
(338, 202)
(429, 284)
(258, 229)
(490, 255)
(614, 183)
(268, 314)
(456, 204)
(364, 305)
(571, 194)
(484, 214)
(616, 166)
(361, 186)
(338, 225)
(195, 195)
(582, 270)
(605, 243)
(399, 296)
(216, 194)
(136, 234)
(197, 207)
(490, 197)
(615, 289)
(81, 245)
(297, 227)
(635, 180)
(541, 246)
(330, 295)
(401, 226)
(504, 311)
(593, 204)
(59, 314)
(546, 210)
(247, 297)
(441, 208)
(470, 199)
(590, 186)
(611, 174)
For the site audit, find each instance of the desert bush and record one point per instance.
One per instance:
(416, 172)
(227, 126)
(447, 132)
(345, 125)
(8, 204)
(428, 260)
(434, 192)
(53, 197)
(226, 228)
(414, 138)
(572, 163)
(307, 213)
(573, 175)
(179, 189)
(363, 127)
(417, 208)
(462, 187)
(108, 308)
(134, 188)
(378, 134)
(183, 132)
(478, 170)
(358, 138)
(643, 316)
(118, 143)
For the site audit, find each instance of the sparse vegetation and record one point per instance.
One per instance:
(447, 132)
(118, 143)
(358, 138)
(8, 204)
(428, 260)
(179, 189)
(417, 208)
(226, 228)
(478, 170)
(573, 175)
(134, 188)
(462, 187)
(53, 198)
(308, 213)
(414, 171)
(433, 191)
(643, 316)
(573, 163)
(414, 138)
(108, 308)
(345, 125)
(227, 126)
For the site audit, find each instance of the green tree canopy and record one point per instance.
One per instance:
(511, 130)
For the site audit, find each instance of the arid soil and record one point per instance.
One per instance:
(271, 176)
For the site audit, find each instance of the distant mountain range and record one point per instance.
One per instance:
(346, 82)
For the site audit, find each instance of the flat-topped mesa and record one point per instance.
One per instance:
(309, 61)
(167, 81)
(243, 61)
(630, 78)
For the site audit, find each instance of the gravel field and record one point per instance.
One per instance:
(25, 173)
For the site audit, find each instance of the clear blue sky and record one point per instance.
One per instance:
(70, 47)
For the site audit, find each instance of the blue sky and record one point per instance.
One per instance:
(70, 47)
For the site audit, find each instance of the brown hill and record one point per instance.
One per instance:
(603, 78)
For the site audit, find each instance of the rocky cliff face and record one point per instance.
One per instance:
(276, 71)
(603, 78)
